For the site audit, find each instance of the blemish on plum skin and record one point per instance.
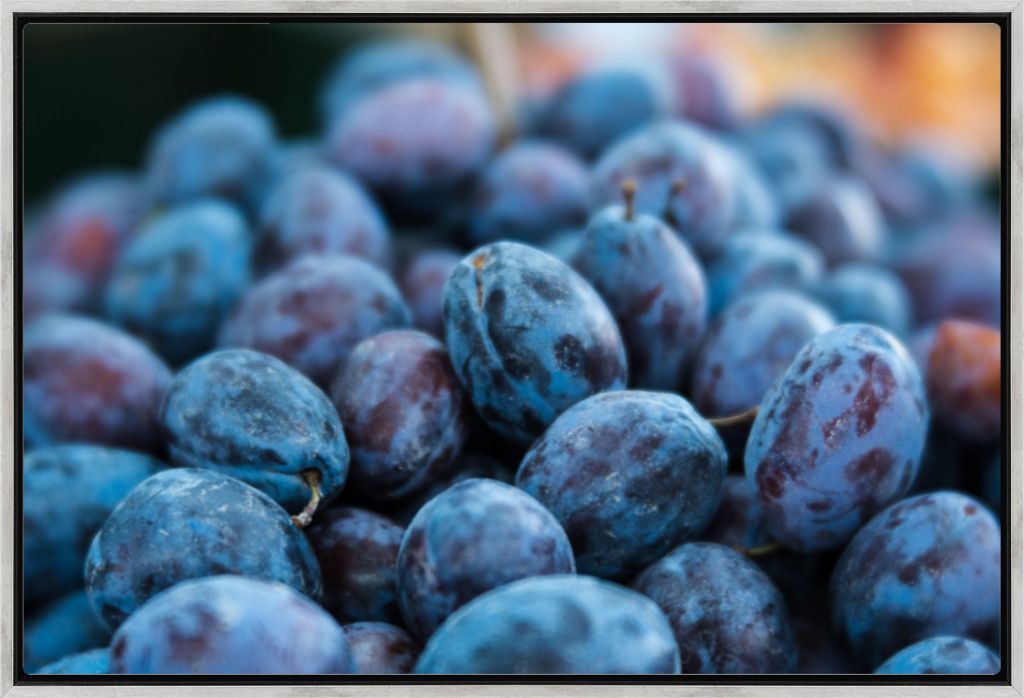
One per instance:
(970, 509)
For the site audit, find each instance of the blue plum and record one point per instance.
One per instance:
(870, 293)
(527, 192)
(682, 174)
(654, 287)
(704, 92)
(379, 648)
(68, 493)
(85, 381)
(926, 566)
(842, 218)
(475, 536)
(92, 662)
(250, 416)
(186, 523)
(313, 312)
(406, 416)
(318, 211)
(415, 143)
(357, 550)
(178, 278)
(760, 259)
(727, 616)
(230, 625)
(67, 626)
(942, 655)
(221, 146)
(749, 345)
(422, 281)
(838, 437)
(528, 338)
(630, 474)
(557, 624)
(595, 108)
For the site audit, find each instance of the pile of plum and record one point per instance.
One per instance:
(649, 387)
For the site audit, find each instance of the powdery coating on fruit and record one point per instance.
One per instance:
(179, 277)
(926, 566)
(760, 259)
(88, 381)
(528, 337)
(473, 537)
(187, 523)
(593, 109)
(749, 345)
(415, 141)
(91, 662)
(838, 437)
(317, 211)
(379, 648)
(230, 625)
(737, 522)
(842, 219)
(630, 475)
(727, 616)
(79, 236)
(658, 156)
(406, 417)
(528, 192)
(65, 627)
(222, 146)
(869, 293)
(357, 550)
(422, 282)
(254, 418)
(964, 379)
(942, 655)
(654, 287)
(313, 312)
(558, 624)
(68, 493)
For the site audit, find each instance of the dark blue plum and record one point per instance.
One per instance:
(475, 536)
(760, 259)
(250, 416)
(179, 277)
(749, 345)
(870, 293)
(85, 381)
(230, 625)
(838, 437)
(186, 523)
(317, 211)
(313, 312)
(406, 416)
(926, 566)
(382, 63)
(727, 616)
(68, 493)
(630, 474)
(841, 218)
(942, 655)
(221, 146)
(554, 625)
(422, 283)
(92, 662)
(357, 550)
(654, 287)
(415, 143)
(596, 107)
(67, 626)
(683, 174)
(528, 338)
(704, 92)
(529, 191)
(379, 648)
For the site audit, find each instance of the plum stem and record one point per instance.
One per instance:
(735, 419)
(629, 195)
(760, 550)
(305, 517)
(677, 187)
